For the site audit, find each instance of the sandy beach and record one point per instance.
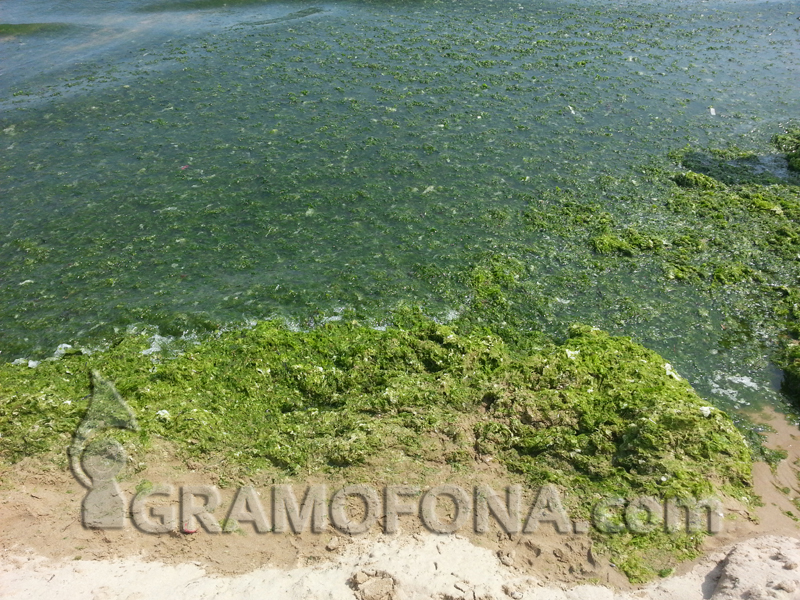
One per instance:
(46, 551)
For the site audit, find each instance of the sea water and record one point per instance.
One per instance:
(191, 163)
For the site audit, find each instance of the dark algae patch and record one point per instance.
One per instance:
(749, 208)
(15, 29)
(789, 142)
(188, 5)
(595, 415)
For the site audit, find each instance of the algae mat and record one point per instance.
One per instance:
(258, 160)
(598, 416)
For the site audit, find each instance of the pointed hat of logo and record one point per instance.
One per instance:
(107, 410)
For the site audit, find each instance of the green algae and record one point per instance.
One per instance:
(789, 142)
(349, 116)
(15, 29)
(494, 274)
(610, 244)
(250, 381)
(790, 349)
(640, 557)
(596, 415)
(756, 218)
(629, 242)
(603, 409)
(690, 179)
(171, 5)
(461, 161)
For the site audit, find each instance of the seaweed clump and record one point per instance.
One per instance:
(789, 143)
(603, 413)
(597, 413)
(690, 179)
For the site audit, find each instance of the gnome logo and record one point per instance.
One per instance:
(96, 460)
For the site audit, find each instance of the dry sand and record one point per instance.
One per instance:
(415, 568)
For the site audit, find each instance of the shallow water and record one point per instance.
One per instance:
(182, 163)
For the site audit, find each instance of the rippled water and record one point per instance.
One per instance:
(195, 162)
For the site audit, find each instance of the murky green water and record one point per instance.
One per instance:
(191, 163)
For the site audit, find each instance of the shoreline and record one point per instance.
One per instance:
(41, 555)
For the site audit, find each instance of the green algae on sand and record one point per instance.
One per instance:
(595, 415)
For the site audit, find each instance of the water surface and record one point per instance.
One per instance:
(201, 162)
